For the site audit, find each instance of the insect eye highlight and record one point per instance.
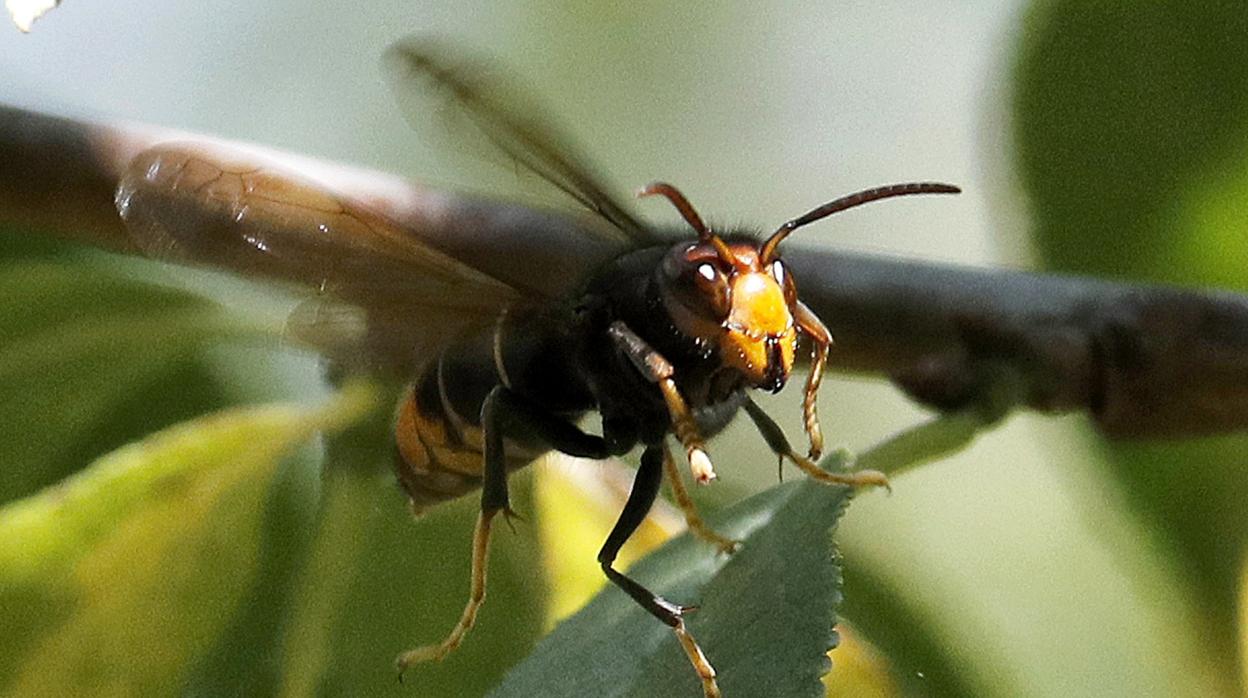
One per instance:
(780, 273)
(706, 289)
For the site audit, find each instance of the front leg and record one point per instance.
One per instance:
(693, 518)
(813, 327)
(658, 370)
(779, 445)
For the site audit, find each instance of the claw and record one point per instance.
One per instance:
(510, 516)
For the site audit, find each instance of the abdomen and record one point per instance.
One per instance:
(438, 429)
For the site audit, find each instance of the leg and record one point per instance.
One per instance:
(501, 413)
(814, 328)
(476, 597)
(645, 488)
(779, 445)
(692, 517)
(656, 369)
(504, 413)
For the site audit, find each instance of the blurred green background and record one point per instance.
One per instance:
(1108, 139)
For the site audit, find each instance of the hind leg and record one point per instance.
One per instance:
(502, 413)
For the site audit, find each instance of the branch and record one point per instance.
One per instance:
(1143, 361)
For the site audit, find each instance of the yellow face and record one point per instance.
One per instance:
(742, 308)
(760, 337)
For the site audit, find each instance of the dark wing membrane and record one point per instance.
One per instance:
(506, 119)
(382, 297)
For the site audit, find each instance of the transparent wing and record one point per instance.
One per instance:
(491, 110)
(382, 297)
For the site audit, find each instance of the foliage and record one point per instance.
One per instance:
(1132, 145)
(147, 548)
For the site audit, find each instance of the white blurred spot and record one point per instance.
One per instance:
(25, 12)
(700, 465)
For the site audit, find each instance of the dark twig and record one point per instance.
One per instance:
(1143, 361)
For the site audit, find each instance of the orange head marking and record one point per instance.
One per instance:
(726, 297)
(737, 298)
(760, 337)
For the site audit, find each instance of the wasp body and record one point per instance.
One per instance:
(438, 430)
(667, 338)
(557, 361)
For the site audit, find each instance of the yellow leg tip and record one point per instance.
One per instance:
(855, 479)
(703, 668)
(723, 544)
(869, 478)
(420, 655)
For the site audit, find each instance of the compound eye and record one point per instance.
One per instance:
(712, 288)
(780, 273)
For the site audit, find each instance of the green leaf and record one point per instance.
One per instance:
(765, 618)
(1132, 132)
(376, 582)
(78, 344)
(400, 583)
(921, 662)
(118, 579)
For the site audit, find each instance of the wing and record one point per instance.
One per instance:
(505, 118)
(382, 297)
